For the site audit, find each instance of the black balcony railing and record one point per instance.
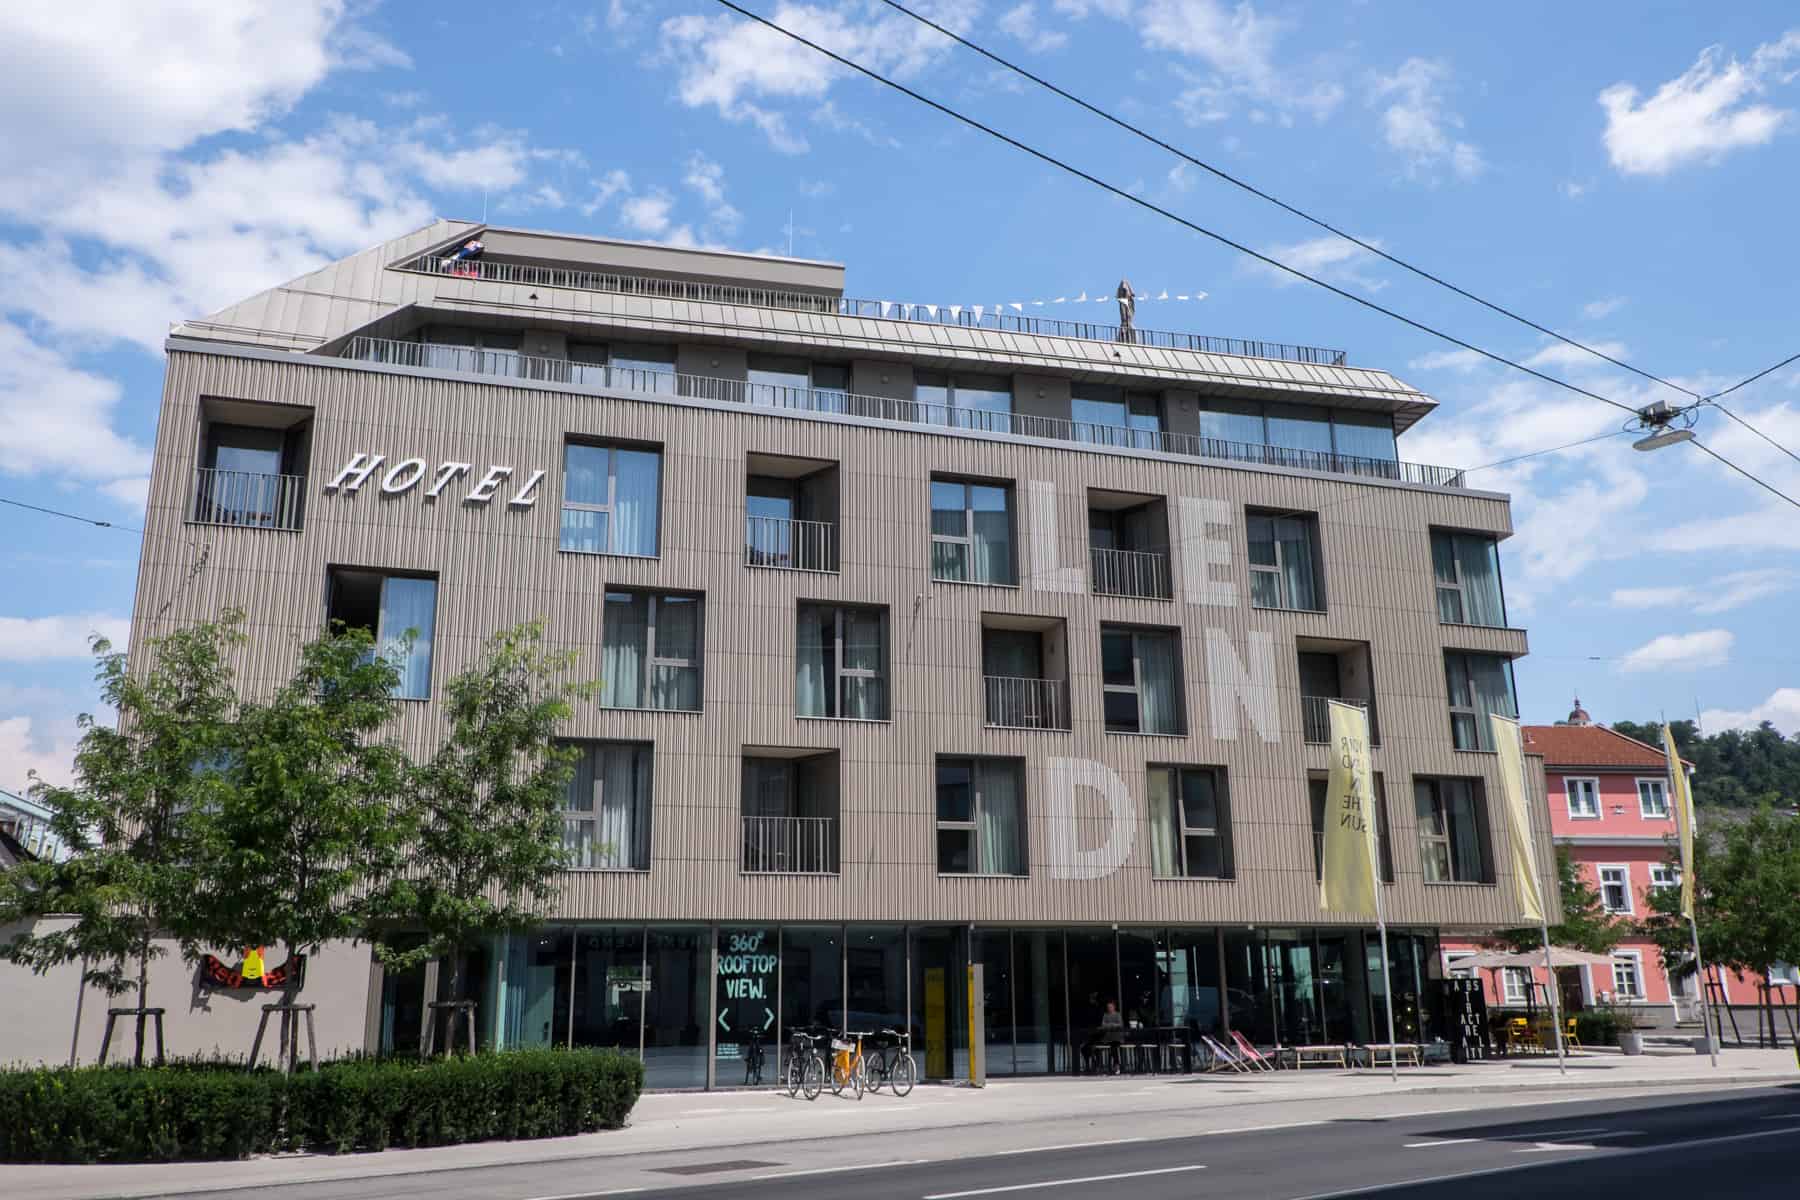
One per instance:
(1315, 719)
(790, 545)
(1018, 703)
(596, 377)
(790, 846)
(1140, 573)
(247, 498)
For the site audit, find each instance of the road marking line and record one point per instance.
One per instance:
(579, 1195)
(1064, 1146)
(1541, 1145)
(897, 1162)
(1050, 1183)
(1443, 1142)
(1259, 1128)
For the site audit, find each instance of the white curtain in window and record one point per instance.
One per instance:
(409, 606)
(1002, 838)
(865, 697)
(1162, 826)
(1492, 686)
(992, 534)
(637, 477)
(623, 793)
(677, 637)
(1297, 564)
(1479, 560)
(1159, 705)
(1465, 833)
(812, 687)
(625, 632)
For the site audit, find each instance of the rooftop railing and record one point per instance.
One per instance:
(599, 377)
(966, 316)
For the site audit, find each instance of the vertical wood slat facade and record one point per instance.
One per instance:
(497, 565)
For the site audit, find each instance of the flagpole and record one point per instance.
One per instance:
(1712, 1043)
(1562, 1062)
(1679, 796)
(1387, 985)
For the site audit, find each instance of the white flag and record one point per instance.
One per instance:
(955, 311)
(1165, 294)
(885, 305)
(976, 309)
(1181, 297)
(1017, 307)
(931, 309)
(1081, 299)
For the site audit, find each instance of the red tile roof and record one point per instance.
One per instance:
(1589, 746)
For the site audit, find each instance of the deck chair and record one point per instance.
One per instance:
(1222, 1055)
(1250, 1053)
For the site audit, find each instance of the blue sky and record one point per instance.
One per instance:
(1628, 180)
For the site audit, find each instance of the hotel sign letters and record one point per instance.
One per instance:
(406, 474)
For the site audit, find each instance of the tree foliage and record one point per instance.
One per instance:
(128, 819)
(1746, 897)
(485, 812)
(1586, 925)
(307, 824)
(1732, 768)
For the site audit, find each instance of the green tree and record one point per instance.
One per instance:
(309, 824)
(1734, 768)
(487, 809)
(127, 821)
(1586, 925)
(1746, 896)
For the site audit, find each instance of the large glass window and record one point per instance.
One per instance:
(1283, 554)
(1615, 889)
(1190, 823)
(797, 383)
(875, 970)
(612, 496)
(1112, 416)
(1188, 961)
(980, 816)
(1653, 799)
(399, 611)
(650, 651)
(1040, 1004)
(1300, 427)
(1584, 798)
(842, 670)
(812, 977)
(1467, 569)
(1232, 421)
(1452, 830)
(1479, 685)
(642, 367)
(971, 532)
(1316, 789)
(749, 962)
(1363, 434)
(536, 999)
(608, 996)
(677, 996)
(606, 817)
(1306, 429)
(1141, 680)
(964, 400)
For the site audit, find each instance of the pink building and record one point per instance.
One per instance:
(1610, 806)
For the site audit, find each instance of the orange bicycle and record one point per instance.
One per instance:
(848, 1067)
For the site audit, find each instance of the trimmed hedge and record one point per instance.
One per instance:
(217, 1110)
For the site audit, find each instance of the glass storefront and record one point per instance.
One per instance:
(691, 999)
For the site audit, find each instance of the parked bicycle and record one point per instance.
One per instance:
(848, 1067)
(891, 1062)
(804, 1072)
(753, 1059)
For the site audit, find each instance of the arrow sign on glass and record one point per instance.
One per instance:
(724, 1023)
(768, 1018)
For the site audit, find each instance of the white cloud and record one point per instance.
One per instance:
(24, 749)
(1020, 23)
(1596, 310)
(1767, 523)
(1681, 652)
(1079, 9)
(1561, 354)
(1700, 115)
(1236, 46)
(605, 188)
(707, 179)
(1331, 258)
(648, 213)
(39, 639)
(57, 419)
(1574, 189)
(1733, 590)
(1417, 124)
(1781, 709)
(1448, 360)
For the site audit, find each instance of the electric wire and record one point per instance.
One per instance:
(1598, 437)
(1747, 382)
(1284, 205)
(1127, 196)
(56, 512)
(1747, 475)
(1753, 429)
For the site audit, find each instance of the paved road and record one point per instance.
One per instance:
(1745, 1143)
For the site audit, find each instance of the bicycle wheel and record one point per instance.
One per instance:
(874, 1072)
(812, 1077)
(840, 1075)
(903, 1074)
(791, 1076)
(856, 1079)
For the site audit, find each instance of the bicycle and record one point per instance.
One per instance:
(753, 1059)
(892, 1063)
(848, 1068)
(805, 1069)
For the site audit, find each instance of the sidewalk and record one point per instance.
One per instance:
(948, 1121)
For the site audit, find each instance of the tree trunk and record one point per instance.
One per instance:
(143, 991)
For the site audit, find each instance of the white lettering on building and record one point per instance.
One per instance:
(1230, 683)
(356, 472)
(445, 473)
(490, 483)
(408, 473)
(403, 476)
(1202, 552)
(1068, 857)
(525, 497)
(1047, 575)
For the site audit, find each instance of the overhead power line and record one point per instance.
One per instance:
(1753, 429)
(1762, 483)
(1219, 172)
(55, 512)
(1747, 382)
(1122, 194)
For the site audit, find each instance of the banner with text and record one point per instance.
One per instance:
(1684, 821)
(1518, 816)
(1347, 874)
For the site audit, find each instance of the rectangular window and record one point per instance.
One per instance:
(612, 499)
(1112, 416)
(1516, 982)
(606, 817)
(1662, 875)
(980, 816)
(1141, 680)
(1584, 798)
(1479, 685)
(1452, 822)
(842, 667)
(1190, 823)
(1316, 789)
(399, 612)
(1615, 889)
(971, 532)
(1653, 799)
(641, 367)
(650, 651)
(964, 401)
(1284, 551)
(1467, 569)
(1628, 975)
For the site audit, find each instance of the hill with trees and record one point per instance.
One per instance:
(1733, 768)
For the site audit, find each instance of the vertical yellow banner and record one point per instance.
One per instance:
(1347, 874)
(1518, 816)
(1684, 821)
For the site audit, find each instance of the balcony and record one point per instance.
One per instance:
(247, 499)
(790, 846)
(508, 365)
(1315, 719)
(1015, 703)
(1140, 573)
(785, 544)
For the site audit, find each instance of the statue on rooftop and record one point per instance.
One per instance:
(1127, 311)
